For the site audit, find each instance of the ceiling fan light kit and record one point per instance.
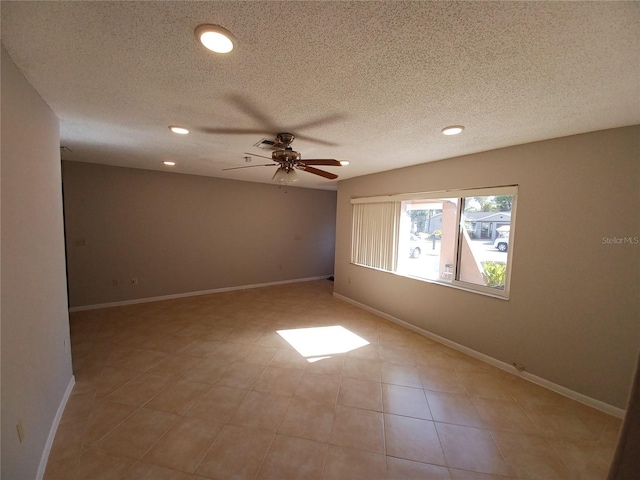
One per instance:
(216, 38)
(285, 176)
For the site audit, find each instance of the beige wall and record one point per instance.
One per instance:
(36, 365)
(184, 233)
(573, 314)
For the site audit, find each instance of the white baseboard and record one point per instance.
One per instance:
(54, 428)
(190, 294)
(592, 402)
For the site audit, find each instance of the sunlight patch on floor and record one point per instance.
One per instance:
(318, 343)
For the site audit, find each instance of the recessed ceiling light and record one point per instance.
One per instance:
(178, 130)
(169, 164)
(215, 38)
(452, 130)
(344, 163)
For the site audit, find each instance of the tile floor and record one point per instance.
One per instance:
(204, 388)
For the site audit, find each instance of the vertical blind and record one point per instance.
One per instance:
(374, 234)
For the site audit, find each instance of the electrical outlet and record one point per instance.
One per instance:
(81, 242)
(134, 281)
(20, 428)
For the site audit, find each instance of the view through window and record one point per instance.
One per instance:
(427, 238)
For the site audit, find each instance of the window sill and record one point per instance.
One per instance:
(486, 291)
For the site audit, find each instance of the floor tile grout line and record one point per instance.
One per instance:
(333, 423)
(209, 449)
(444, 465)
(559, 457)
(94, 444)
(384, 432)
(512, 472)
(264, 457)
(527, 415)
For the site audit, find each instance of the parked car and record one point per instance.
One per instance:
(502, 243)
(414, 246)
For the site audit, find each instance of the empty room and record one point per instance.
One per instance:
(320, 240)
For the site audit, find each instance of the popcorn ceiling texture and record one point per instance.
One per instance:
(375, 82)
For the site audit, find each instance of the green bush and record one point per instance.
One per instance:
(494, 273)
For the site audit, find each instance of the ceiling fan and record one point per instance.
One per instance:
(288, 161)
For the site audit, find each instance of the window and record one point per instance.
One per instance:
(460, 238)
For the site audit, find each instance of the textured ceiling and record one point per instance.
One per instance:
(369, 82)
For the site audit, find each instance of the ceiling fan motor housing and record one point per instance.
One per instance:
(285, 156)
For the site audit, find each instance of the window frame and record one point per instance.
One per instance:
(461, 195)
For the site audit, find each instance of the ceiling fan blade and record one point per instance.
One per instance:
(317, 161)
(256, 155)
(320, 121)
(316, 140)
(322, 173)
(258, 131)
(233, 131)
(251, 110)
(250, 166)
